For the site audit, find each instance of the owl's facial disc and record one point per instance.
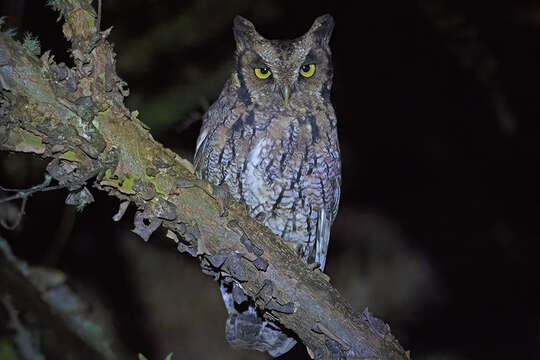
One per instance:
(263, 73)
(284, 72)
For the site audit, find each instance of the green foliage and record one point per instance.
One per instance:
(7, 350)
(142, 357)
(54, 4)
(31, 42)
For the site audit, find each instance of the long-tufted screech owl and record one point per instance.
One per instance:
(271, 138)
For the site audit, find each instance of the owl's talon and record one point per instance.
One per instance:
(220, 192)
(325, 276)
(184, 183)
(223, 197)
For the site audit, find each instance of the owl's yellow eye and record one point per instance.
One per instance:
(307, 70)
(263, 72)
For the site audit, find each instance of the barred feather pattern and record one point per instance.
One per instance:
(283, 164)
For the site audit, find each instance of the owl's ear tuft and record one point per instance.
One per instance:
(244, 32)
(321, 30)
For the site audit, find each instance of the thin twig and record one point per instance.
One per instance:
(26, 343)
(24, 194)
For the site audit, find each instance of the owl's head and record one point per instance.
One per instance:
(284, 72)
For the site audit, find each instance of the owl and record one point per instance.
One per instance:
(271, 138)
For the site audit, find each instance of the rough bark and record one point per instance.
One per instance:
(76, 117)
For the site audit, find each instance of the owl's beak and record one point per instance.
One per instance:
(285, 92)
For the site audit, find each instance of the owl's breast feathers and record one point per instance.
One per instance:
(283, 164)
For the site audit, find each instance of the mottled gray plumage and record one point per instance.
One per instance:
(273, 141)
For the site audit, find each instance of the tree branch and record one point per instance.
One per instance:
(67, 318)
(76, 117)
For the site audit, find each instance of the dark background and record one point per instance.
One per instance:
(437, 104)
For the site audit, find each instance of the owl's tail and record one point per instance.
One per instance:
(246, 329)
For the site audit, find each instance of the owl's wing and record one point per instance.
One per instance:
(324, 222)
(334, 204)
(200, 158)
(322, 237)
(201, 145)
(210, 121)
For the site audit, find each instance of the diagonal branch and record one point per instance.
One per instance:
(76, 117)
